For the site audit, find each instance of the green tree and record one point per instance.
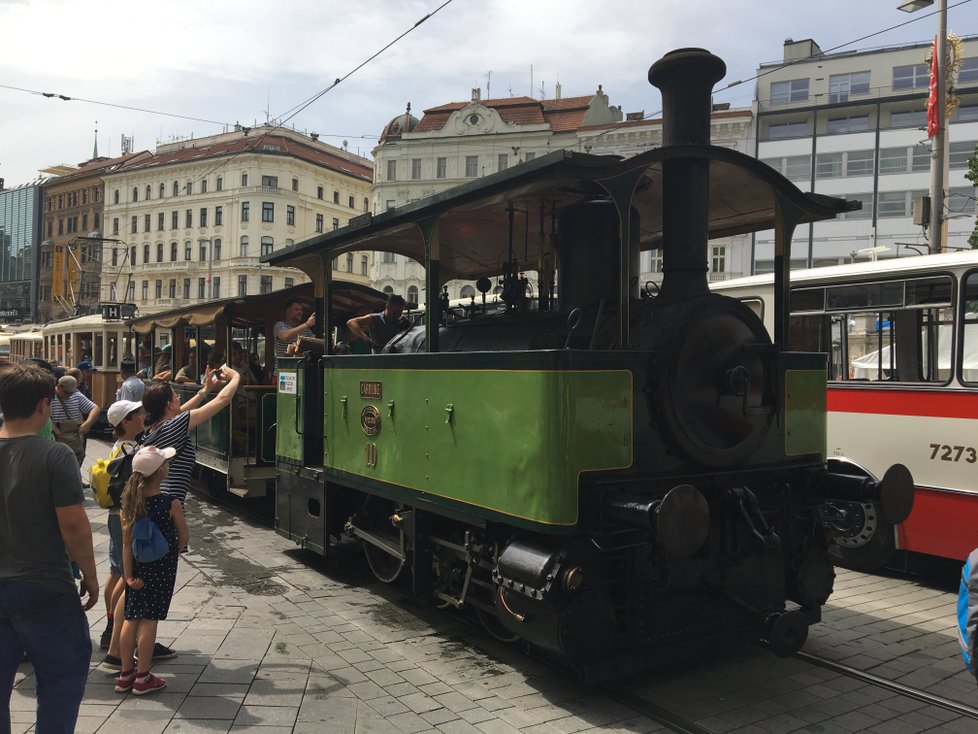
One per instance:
(972, 175)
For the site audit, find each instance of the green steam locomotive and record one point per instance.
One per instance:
(615, 475)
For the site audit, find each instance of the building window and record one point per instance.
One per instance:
(718, 260)
(245, 211)
(220, 183)
(363, 265)
(915, 76)
(115, 198)
(173, 252)
(97, 221)
(218, 216)
(61, 226)
(841, 125)
(893, 160)
(959, 154)
(471, 166)
(290, 215)
(98, 195)
(132, 257)
(319, 192)
(188, 250)
(392, 170)
(159, 289)
(910, 118)
(134, 225)
(795, 90)
(217, 250)
(295, 184)
(115, 225)
(860, 163)
(336, 224)
(203, 251)
(135, 193)
(366, 204)
(349, 262)
(174, 220)
(203, 216)
(147, 222)
(266, 284)
(160, 221)
(186, 289)
(391, 204)
(201, 288)
(131, 291)
(244, 179)
(149, 192)
(388, 257)
(145, 254)
(242, 285)
(243, 247)
(441, 166)
(412, 295)
(842, 85)
(85, 222)
(269, 182)
(173, 288)
(828, 165)
(267, 245)
(203, 186)
(189, 219)
(190, 187)
(217, 287)
(268, 211)
(787, 130)
(503, 162)
(319, 222)
(415, 169)
(336, 197)
(50, 228)
(162, 190)
(176, 188)
(289, 282)
(351, 202)
(968, 72)
(529, 156)
(159, 252)
(144, 291)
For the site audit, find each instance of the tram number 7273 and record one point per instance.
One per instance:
(943, 452)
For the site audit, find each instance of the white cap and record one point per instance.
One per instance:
(120, 409)
(149, 458)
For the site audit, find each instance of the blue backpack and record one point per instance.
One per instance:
(968, 611)
(148, 542)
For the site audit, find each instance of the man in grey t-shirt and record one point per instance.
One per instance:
(43, 522)
(132, 387)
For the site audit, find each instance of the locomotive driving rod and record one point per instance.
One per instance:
(894, 492)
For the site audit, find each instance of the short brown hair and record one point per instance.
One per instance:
(22, 388)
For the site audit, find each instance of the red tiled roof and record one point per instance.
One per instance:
(92, 166)
(561, 114)
(265, 145)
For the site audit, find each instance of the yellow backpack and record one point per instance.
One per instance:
(99, 479)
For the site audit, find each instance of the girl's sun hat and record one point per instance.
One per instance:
(149, 458)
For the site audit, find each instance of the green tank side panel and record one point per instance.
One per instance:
(288, 410)
(805, 406)
(510, 441)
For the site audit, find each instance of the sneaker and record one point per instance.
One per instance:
(146, 684)
(105, 639)
(110, 664)
(161, 652)
(124, 683)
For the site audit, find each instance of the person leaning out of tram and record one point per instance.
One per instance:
(286, 332)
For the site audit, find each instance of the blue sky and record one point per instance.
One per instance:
(241, 61)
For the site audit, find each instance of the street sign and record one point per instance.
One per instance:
(118, 311)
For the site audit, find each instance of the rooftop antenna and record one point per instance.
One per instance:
(543, 90)
(488, 83)
(531, 80)
(95, 149)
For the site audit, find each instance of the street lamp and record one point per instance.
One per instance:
(938, 151)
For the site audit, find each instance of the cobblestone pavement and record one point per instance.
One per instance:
(273, 640)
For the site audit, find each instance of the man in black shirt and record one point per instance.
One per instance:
(379, 328)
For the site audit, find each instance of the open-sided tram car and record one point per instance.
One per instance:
(614, 479)
(236, 449)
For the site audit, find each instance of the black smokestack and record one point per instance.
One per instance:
(686, 78)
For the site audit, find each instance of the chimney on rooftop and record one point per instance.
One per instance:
(476, 95)
(314, 136)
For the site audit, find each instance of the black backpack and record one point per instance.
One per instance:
(120, 469)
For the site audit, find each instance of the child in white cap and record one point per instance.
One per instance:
(149, 586)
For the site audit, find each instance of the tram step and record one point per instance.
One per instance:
(240, 491)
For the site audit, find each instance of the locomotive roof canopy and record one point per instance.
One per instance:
(473, 219)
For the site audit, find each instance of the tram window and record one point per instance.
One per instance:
(97, 355)
(969, 321)
(908, 345)
(929, 291)
(807, 299)
(862, 295)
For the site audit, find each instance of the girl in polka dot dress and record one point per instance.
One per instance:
(149, 586)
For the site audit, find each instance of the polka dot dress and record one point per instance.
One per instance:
(159, 577)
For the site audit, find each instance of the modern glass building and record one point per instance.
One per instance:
(20, 230)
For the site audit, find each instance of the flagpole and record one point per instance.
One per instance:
(938, 151)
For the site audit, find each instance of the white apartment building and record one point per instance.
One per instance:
(854, 125)
(189, 223)
(456, 142)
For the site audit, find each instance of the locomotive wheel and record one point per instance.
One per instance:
(385, 567)
(493, 626)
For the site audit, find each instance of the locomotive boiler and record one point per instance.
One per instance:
(614, 474)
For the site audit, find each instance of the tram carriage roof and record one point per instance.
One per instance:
(474, 224)
(89, 322)
(347, 298)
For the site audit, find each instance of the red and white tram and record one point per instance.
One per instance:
(902, 340)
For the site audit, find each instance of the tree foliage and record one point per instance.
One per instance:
(972, 175)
